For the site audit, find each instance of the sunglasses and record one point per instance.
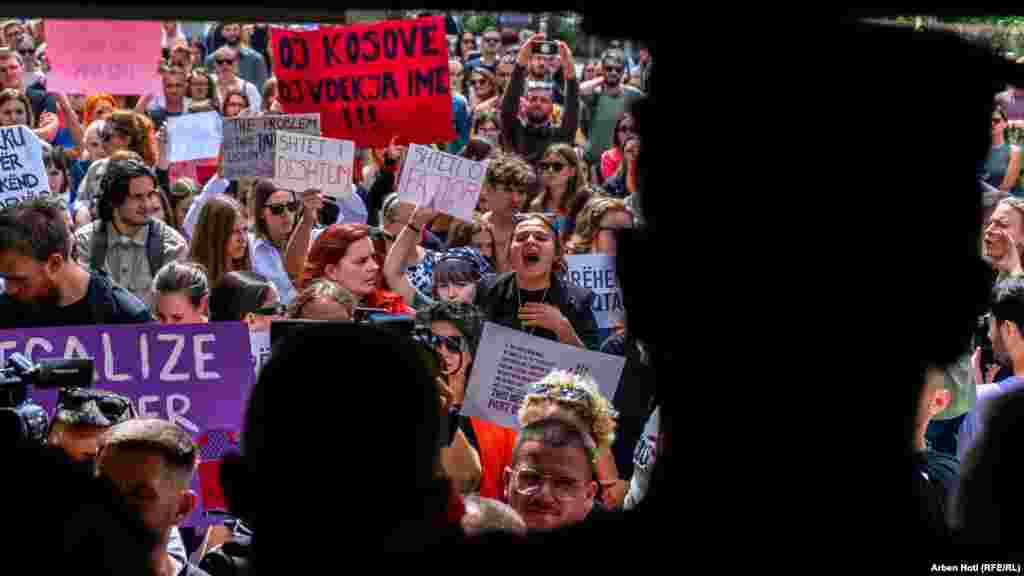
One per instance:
(221, 62)
(112, 407)
(530, 482)
(552, 166)
(278, 209)
(452, 343)
(275, 310)
(996, 120)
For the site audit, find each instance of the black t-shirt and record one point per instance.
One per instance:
(127, 309)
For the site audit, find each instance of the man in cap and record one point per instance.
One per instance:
(81, 417)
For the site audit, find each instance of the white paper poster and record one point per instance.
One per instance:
(22, 173)
(194, 136)
(447, 183)
(597, 273)
(303, 162)
(508, 361)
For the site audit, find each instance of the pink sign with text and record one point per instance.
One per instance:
(112, 56)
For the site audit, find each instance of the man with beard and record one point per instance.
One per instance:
(125, 241)
(1006, 331)
(44, 286)
(81, 417)
(150, 463)
(530, 140)
(251, 65)
(604, 100)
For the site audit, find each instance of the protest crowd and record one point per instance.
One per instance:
(442, 210)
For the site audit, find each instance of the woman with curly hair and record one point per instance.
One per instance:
(597, 224)
(123, 130)
(576, 399)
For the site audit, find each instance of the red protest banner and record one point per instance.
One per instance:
(369, 82)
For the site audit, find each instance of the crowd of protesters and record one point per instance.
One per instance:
(126, 239)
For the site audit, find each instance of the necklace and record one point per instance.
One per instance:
(519, 299)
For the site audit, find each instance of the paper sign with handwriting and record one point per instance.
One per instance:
(508, 361)
(596, 272)
(250, 144)
(113, 56)
(447, 183)
(22, 174)
(303, 162)
(194, 136)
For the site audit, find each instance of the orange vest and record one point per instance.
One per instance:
(496, 444)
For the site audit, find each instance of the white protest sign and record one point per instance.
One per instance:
(508, 361)
(194, 136)
(596, 272)
(22, 173)
(250, 144)
(303, 162)
(447, 183)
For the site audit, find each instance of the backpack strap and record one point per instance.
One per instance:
(98, 253)
(104, 300)
(155, 246)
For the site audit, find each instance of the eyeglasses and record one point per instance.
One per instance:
(278, 209)
(112, 407)
(275, 310)
(452, 343)
(996, 120)
(529, 482)
(223, 61)
(552, 166)
(27, 52)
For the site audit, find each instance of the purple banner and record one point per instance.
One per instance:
(198, 376)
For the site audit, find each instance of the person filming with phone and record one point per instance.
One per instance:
(531, 138)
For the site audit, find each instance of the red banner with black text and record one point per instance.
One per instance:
(369, 82)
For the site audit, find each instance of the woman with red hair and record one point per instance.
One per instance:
(346, 254)
(98, 107)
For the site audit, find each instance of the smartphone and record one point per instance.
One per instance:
(547, 48)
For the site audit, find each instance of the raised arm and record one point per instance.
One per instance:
(571, 118)
(71, 119)
(216, 185)
(399, 254)
(298, 244)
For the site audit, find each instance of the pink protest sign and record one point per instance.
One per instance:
(117, 57)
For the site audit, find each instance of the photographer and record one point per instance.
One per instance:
(44, 286)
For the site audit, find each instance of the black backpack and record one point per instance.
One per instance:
(230, 558)
(154, 246)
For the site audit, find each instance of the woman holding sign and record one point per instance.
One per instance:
(533, 297)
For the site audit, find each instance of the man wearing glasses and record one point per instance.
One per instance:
(251, 65)
(604, 100)
(551, 481)
(490, 44)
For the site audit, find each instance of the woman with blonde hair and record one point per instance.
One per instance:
(575, 398)
(220, 242)
(323, 300)
(596, 226)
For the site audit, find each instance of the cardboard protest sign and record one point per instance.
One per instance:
(597, 273)
(447, 183)
(113, 56)
(508, 361)
(302, 162)
(198, 376)
(369, 81)
(194, 136)
(22, 173)
(250, 144)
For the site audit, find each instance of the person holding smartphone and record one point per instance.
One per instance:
(530, 138)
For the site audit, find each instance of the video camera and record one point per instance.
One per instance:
(21, 419)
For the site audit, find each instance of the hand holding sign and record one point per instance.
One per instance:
(450, 184)
(312, 202)
(568, 63)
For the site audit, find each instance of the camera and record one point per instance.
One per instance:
(21, 419)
